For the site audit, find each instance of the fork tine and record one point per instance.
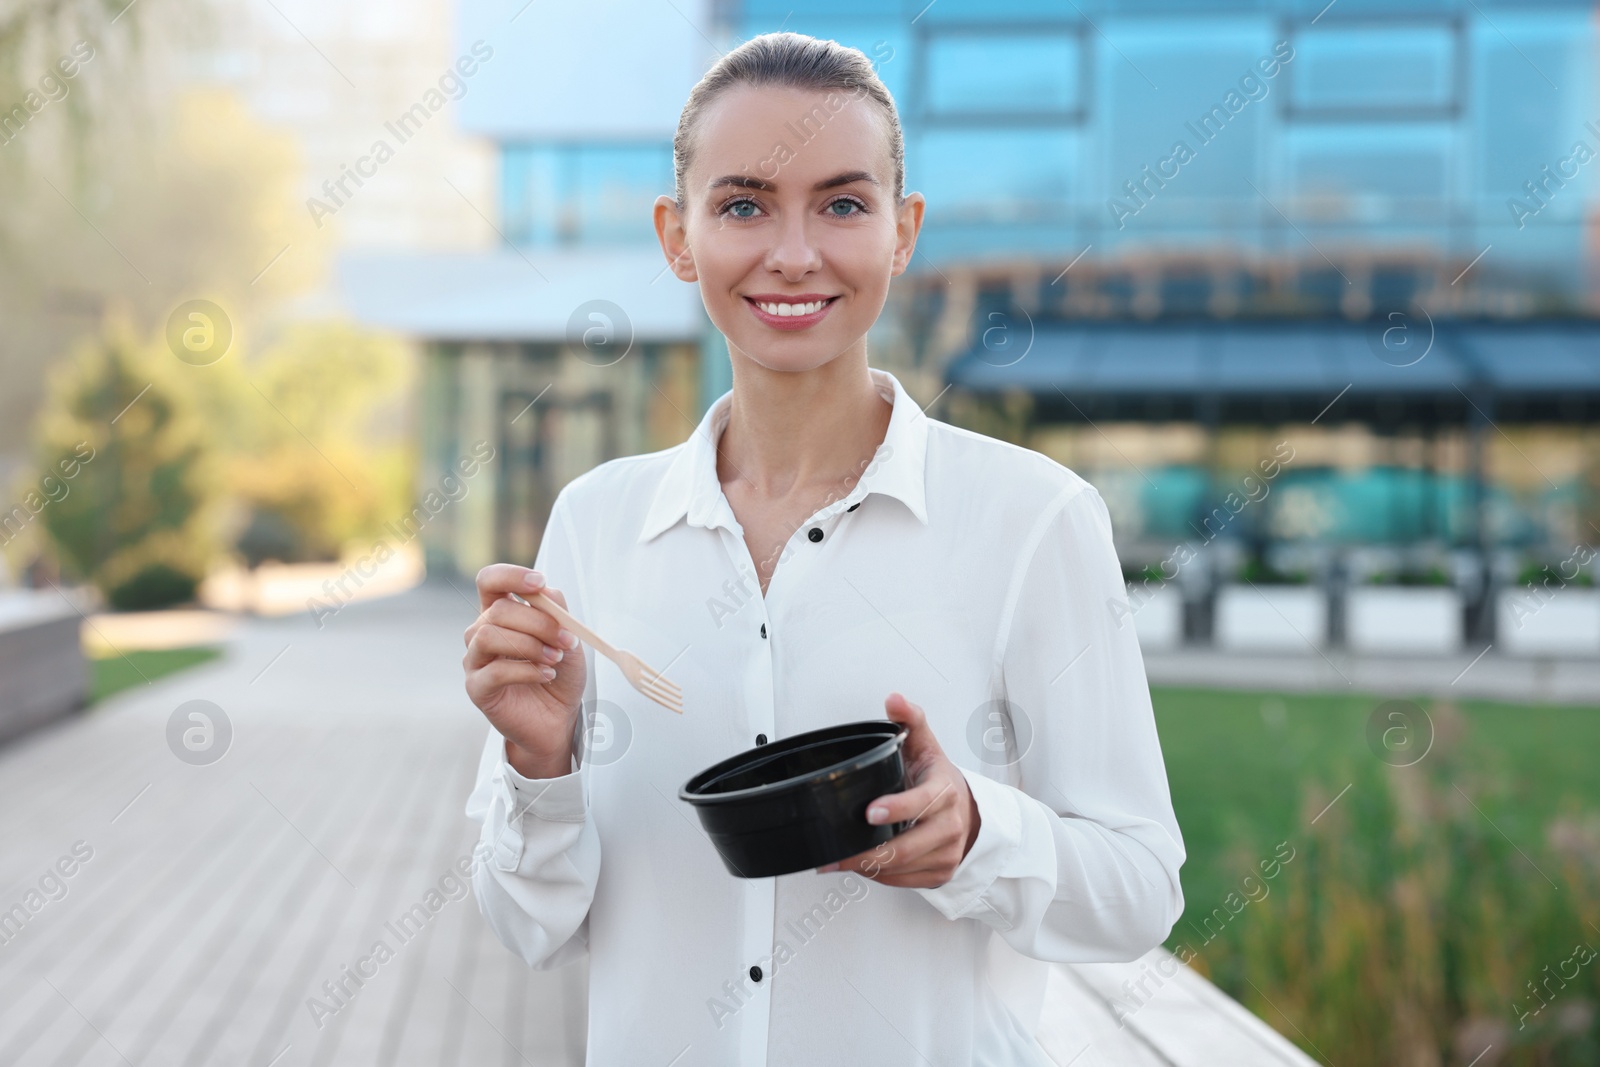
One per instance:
(669, 704)
(651, 682)
(655, 677)
(666, 685)
(670, 694)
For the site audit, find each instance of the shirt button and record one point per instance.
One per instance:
(755, 973)
(761, 739)
(852, 507)
(763, 629)
(815, 533)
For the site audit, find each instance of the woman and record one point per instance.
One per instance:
(816, 546)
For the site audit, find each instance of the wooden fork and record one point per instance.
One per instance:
(646, 679)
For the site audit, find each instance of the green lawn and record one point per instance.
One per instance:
(116, 673)
(1238, 764)
(1433, 892)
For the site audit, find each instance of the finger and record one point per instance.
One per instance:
(937, 855)
(918, 802)
(498, 579)
(912, 848)
(920, 746)
(944, 856)
(496, 642)
(934, 869)
(503, 672)
(900, 853)
(477, 624)
(873, 859)
(490, 679)
(482, 619)
(924, 847)
(528, 619)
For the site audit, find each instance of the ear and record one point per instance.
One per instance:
(908, 224)
(674, 239)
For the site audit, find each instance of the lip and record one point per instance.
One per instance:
(791, 322)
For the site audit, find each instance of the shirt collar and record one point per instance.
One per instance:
(690, 486)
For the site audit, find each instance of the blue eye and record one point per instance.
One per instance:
(729, 207)
(849, 201)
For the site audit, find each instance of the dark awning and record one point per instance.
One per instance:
(1397, 371)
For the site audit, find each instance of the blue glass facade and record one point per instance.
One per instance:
(1419, 130)
(572, 193)
(1404, 128)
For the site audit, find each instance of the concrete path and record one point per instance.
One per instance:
(218, 898)
(1479, 674)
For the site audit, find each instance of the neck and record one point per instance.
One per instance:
(795, 430)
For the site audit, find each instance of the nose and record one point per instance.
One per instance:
(794, 253)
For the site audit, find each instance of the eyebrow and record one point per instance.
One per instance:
(744, 181)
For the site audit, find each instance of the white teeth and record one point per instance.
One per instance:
(787, 310)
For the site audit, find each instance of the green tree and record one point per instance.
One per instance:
(136, 522)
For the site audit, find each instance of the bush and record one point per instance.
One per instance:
(1132, 575)
(1259, 571)
(1432, 576)
(1537, 574)
(268, 535)
(155, 586)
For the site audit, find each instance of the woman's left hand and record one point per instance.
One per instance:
(946, 816)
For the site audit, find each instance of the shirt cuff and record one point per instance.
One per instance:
(555, 799)
(999, 836)
(550, 799)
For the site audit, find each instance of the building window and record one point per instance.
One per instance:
(590, 194)
(1376, 70)
(1024, 74)
(1004, 175)
(1371, 174)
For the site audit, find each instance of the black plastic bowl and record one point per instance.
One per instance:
(802, 801)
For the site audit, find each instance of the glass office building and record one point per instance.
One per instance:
(1397, 130)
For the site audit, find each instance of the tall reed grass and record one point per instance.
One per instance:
(1410, 930)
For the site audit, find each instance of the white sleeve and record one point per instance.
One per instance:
(538, 856)
(1078, 851)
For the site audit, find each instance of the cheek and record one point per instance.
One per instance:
(724, 256)
(861, 262)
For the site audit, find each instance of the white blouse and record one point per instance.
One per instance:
(972, 575)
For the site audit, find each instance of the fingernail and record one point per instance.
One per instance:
(829, 867)
(877, 815)
(555, 655)
(567, 638)
(549, 673)
(533, 579)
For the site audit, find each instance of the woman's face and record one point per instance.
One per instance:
(789, 223)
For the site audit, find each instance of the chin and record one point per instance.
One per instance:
(791, 356)
(790, 352)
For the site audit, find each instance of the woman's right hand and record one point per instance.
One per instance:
(524, 671)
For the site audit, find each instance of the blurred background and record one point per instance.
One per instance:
(310, 310)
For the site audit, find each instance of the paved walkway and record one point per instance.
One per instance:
(207, 903)
(1485, 675)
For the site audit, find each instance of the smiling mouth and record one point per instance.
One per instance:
(785, 310)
